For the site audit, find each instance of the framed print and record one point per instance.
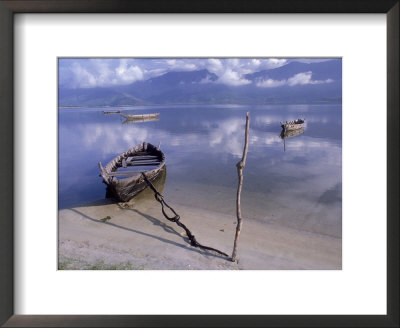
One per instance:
(121, 93)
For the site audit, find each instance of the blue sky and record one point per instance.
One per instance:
(105, 72)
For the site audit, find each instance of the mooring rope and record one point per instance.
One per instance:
(159, 198)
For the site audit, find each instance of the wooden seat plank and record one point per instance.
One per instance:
(145, 164)
(125, 173)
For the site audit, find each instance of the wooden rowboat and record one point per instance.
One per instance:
(123, 174)
(293, 125)
(285, 134)
(140, 116)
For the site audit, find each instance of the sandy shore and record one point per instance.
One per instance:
(138, 237)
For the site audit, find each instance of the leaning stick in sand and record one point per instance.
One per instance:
(240, 166)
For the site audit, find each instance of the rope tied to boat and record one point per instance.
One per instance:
(159, 198)
(176, 218)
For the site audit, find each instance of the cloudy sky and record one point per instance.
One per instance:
(104, 72)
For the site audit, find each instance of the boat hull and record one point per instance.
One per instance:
(293, 125)
(127, 184)
(125, 190)
(285, 134)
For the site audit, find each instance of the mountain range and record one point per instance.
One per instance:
(295, 82)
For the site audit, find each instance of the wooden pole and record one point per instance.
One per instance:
(240, 166)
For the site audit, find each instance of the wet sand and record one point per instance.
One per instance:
(138, 237)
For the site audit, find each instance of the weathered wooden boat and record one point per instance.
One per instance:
(285, 134)
(140, 120)
(293, 125)
(148, 193)
(123, 174)
(140, 116)
(111, 111)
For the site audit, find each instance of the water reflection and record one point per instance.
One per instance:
(140, 120)
(300, 187)
(285, 134)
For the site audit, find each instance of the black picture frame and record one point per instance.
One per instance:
(10, 7)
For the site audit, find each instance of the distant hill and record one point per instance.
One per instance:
(331, 69)
(295, 82)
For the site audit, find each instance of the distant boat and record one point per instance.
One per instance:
(291, 133)
(111, 111)
(293, 125)
(140, 116)
(123, 175)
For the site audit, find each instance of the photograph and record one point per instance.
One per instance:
(199, 163)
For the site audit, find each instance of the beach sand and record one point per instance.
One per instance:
(138, 237)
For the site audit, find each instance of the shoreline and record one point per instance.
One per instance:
(138, 237)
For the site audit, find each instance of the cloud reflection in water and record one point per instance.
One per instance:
(299, 188)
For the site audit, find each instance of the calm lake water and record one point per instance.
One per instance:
(295, 182)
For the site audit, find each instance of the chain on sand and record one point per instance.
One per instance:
(176, 218)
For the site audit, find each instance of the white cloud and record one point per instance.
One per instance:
(269, 83)
(230, 77)
(232, 71)
(301, 78)
(277, 62)
(149, 73)
(100, 73)
(87, 73)
(181, 64)
(305, 78)
(207, 79)
(256, 65)
(215, 65)
(127, 74)
(82, 77)
(297, 79)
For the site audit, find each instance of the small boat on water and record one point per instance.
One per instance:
(285, 134)
(123, 174)
(293, 125)
(140, 116)
(111, 111)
